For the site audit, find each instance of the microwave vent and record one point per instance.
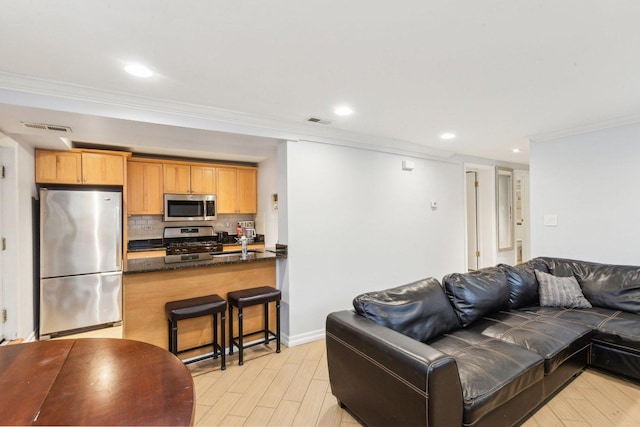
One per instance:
(44, 126)
(318, 120)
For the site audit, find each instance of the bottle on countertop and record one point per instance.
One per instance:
(238, 230)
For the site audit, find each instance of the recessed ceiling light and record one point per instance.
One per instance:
(447, 135)
(138, 70)
(343, 110)
(516, 150)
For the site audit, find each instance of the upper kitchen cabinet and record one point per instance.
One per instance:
(237, 190)
(177, 178)
(203, 180)
(104, 169)
(145, 188)
(183, 178)
(62, 167)
(80, 167)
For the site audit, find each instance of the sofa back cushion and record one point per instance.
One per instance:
(475, 294)
(604, 285)
(420, 310)
(523, 284)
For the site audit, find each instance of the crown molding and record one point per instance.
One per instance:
(70, 97)
(585, 128)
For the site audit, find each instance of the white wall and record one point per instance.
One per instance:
(357, 222)
(268, 185)
(18, 188)
(590, 182)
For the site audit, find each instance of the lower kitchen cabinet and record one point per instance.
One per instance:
(145, 295)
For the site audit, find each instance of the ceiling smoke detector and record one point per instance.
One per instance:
(318, 120)
(43, 126)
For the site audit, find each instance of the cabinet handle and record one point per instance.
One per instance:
(79, 179)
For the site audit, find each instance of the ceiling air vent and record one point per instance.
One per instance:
(44, 126)
(318, 120)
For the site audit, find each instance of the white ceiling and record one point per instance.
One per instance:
(496, 73)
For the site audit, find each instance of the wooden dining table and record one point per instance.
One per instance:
(94, 381)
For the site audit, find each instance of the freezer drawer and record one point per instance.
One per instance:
(79, 301)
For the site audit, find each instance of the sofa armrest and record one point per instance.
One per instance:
(386, 378)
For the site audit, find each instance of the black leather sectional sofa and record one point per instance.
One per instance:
(479, 350)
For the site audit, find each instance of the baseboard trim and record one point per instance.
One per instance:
(307, 337)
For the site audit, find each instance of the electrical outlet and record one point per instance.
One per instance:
(147, 228)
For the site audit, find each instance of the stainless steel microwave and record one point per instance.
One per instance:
(189, 207)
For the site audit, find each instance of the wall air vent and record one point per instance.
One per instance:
(44, 126)
(318, 120)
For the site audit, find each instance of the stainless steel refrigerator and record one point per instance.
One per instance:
(80, 259)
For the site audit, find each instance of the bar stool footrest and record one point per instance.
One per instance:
(272, 338)
(215, 354)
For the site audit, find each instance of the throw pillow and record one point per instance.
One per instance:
(560, 291)
(419, 310)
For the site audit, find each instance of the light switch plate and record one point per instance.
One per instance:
(551, 220)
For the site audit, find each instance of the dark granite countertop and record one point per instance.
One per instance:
(149, 265)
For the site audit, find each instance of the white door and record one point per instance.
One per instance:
(473, 252)
(2, 258)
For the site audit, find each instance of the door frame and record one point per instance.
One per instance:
(473, 239)
(486, 212)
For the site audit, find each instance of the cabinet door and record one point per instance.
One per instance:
(177, 178)
(203, 180)
(227, 194)
(144, 186)
(62, 167)
(103, 169)
(247, 191)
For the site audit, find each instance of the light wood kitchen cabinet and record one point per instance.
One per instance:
(145, 188)
(79, 167)
(247, 190)
(104, 169)
(203, 180)
(184, 179)
(61, 167)
(177, 178)
(237, 190)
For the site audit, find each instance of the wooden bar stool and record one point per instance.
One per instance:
(246, 298)
(210, 305)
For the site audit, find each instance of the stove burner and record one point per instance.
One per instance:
(193, 248)
(190, 240)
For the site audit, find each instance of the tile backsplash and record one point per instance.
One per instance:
(151, 226)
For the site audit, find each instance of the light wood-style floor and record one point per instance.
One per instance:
(292, 388)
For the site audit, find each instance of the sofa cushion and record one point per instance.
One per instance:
(604, 285)
(554, 339)
(420, 310)
(621, 324)
(477, 293)
(560, 291)
(523, 284)
(491, 371)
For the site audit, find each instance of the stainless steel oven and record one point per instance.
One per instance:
(190, 207)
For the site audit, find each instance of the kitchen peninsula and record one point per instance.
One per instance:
(150, 283)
